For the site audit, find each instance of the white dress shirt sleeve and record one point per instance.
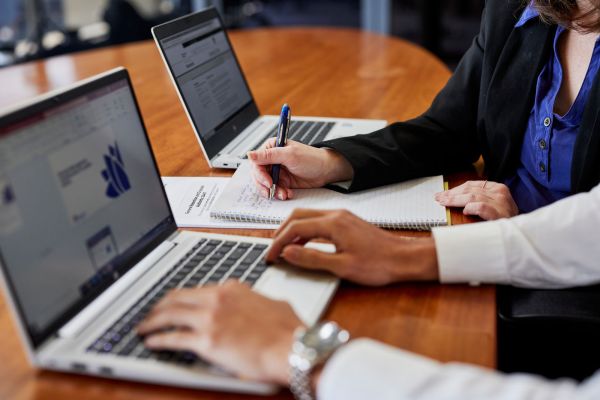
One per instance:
(553, 247)
(365, 369)
(556, 246)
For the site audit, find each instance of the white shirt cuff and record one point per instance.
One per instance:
(471, 253)
(358, 369)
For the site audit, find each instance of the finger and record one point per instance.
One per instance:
(262, 177)
(269, 143)
(443, 193)
(171, 317)
(313, 259)
(261, 190)
(307, 229)
(284, 178)
(300, 213)
(461, 200)
(467, 187)
(270, 156)
(481, 209)
(281, 193)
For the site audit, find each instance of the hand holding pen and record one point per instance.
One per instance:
(282, 165)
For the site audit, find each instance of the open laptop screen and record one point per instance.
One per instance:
(208, 77)
(80, 201)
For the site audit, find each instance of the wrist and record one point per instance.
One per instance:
(415, 260)
(337, 167)
(277, 361)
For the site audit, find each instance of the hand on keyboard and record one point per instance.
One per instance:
(229, 325)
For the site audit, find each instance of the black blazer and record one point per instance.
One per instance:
(482, 110)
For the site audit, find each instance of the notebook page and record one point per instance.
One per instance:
(398, 205)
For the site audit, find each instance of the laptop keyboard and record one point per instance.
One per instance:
(209, 262)
(307, 132)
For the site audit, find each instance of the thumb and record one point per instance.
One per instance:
(273, 155)
(312, 259)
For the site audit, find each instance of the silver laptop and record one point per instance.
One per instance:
(88, 242)
(217, 99)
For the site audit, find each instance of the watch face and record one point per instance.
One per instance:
(325, 337)
(316, 344)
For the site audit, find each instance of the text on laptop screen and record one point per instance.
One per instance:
(208, 76)
(79, 193)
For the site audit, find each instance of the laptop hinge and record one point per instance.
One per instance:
(84, 318)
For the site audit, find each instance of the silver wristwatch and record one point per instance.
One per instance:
(311, 348)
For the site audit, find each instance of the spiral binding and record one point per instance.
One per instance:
(415, 225)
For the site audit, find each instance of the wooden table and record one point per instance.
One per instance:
(325, 72)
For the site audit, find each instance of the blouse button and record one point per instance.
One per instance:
(547, 122)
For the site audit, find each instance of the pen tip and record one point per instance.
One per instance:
(272, 192)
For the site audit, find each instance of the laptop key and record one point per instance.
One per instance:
(252, 256)
(186, 358)
(237, 254)
(260, 267)
(322, 133)
(242, 267)
(206, 250)
(130, 346)
(191, 284)
(236, 274)
(144, 354)
(165, 355)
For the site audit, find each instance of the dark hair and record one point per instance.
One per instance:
(566, 13)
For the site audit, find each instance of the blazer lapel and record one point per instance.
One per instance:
(585, 170)
(524, 55)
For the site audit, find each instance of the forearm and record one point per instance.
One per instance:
(553, 247)
(366, 369)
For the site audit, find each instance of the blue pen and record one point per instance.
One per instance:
(282, 135)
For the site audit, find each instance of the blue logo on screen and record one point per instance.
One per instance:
(114, 174)
(8, 196)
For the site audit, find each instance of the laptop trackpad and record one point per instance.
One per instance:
(307, 292)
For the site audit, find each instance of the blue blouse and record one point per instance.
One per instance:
(544, 175)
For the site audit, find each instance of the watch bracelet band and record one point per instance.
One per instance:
(300, 384)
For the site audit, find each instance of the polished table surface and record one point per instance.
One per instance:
(319, 72)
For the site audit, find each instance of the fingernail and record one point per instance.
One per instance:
(280, 196)
(251, 155)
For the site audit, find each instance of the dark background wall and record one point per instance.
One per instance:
(61, 26)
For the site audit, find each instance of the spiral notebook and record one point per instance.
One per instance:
(406, 205)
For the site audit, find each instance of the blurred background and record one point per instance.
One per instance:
(34, 29)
